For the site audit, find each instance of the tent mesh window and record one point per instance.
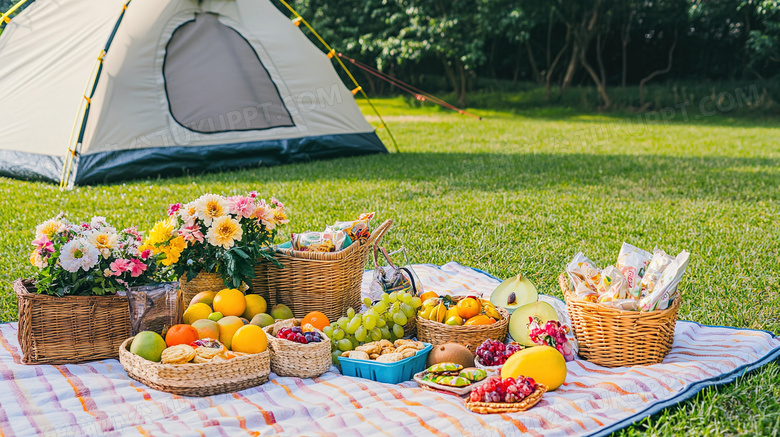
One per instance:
(215, 81)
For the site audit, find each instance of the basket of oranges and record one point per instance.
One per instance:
(466, 320)
(299, 348)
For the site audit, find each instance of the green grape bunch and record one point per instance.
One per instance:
(384, 319)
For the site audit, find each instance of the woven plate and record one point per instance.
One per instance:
(437, 333)
(289, 358)
(205, 379)
(502, 407)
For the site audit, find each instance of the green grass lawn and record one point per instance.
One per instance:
(523, 192)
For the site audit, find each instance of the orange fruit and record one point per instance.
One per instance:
(181, 334)
(428, 295)
(480, 319)
(469, 307)
(249, 339)
(316, 319)
(230, 302)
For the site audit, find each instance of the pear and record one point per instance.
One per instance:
(514, 293)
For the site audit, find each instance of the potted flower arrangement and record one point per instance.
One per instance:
(69, 311)
(213, 242)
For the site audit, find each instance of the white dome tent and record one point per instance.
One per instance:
(171, 86)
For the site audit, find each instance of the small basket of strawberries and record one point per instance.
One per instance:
(298, 351)
(507, 395)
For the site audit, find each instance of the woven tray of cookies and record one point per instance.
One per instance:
(386, 362)
(197, 371)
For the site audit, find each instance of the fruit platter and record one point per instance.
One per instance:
(451, 377)
(505, 395)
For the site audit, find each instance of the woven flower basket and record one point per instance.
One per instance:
(191, 379)
(69, 329)
(436, 333)
(289, 358)
(611, 337)
(502, 407)
(203, 282)
(315, 281)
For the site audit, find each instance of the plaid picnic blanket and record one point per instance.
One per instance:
(98, 398)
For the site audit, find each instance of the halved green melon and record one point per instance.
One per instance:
(518, 323)
(514, 293)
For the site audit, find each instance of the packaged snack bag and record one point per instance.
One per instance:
(632, 263)
(658, 263)
(358, 229)
(623, 304)
(614, 285)
(585, 277)
(666, 288)
(318, 241)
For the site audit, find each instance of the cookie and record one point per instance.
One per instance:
(179, 354)
(408, 353)
(389, 358)
(358, 355)
(207, 353)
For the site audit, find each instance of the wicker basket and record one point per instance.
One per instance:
(436, 333)
(69, 329)
(289, 358)
(614, 338)
(315, 281)
(205, 379)
(502, 408)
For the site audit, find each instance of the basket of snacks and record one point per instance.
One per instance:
(203, 367)
(73, 309)
(465, 320)
(450, 377)
(299, 351)
(313, 278)
(501, 396)
(624, 315)
(387, 362)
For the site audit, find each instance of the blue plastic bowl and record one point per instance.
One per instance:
(390, 373)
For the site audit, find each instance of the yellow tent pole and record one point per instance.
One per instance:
(72, 149)
(331, 54)
(6, 18)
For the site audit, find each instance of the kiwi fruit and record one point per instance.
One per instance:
(451, 353)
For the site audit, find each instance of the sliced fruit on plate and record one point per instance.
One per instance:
(518, 323)
(514, 293)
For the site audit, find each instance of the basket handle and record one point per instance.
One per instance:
(379, 232)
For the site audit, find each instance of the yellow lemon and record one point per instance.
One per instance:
(249, 339)
(255, 304)
(230, 302)
(542, 363)
(196, 312)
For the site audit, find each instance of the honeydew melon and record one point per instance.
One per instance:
(518, 323)
(513, 293)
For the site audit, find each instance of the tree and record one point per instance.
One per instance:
(764, 45)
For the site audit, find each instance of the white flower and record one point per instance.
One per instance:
(103, 241)
(49, 228)
(224, 232)
(79, 254)
(188, 214)
(211, 206)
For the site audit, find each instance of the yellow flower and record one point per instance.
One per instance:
(103, 241)
(224, 232)
(173, 250)
(161, 232)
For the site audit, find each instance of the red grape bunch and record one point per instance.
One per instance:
(495, 353)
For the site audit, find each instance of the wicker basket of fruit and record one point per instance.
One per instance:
(316, 281)
(465, 320)
(502, 396)
(298, 351)
(202, 367)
